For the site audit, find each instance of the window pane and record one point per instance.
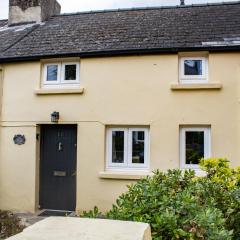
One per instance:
(70, 72)
(118, 146)
(138, 138)
(193, 67)
(52, 72)
(194, 147)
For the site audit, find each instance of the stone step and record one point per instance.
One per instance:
(72, 228)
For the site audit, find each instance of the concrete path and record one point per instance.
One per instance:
(62, 228)
(28, 219)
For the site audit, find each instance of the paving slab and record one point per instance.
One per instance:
(28, 219)
(72, 228)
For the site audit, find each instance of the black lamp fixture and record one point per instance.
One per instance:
(55, 117)
(182, 2)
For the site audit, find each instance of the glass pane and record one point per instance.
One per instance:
(194, 147)
(118, 146)
(193, 67)
(138, 138)
(52, 72)
(70, 72)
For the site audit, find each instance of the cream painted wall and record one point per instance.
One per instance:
(1, 88)
(118, 91)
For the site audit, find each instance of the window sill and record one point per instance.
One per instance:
(59, 91)
(124, 175)
(196, 86)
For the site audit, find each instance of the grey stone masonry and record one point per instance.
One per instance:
(205, 27)
(25, 11)
(24, 4)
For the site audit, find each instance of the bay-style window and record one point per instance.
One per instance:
(195, 144)
(193, 70)
(63, 74)
(127, 148)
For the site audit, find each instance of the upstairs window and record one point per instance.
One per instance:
(127, 148)
(61, 74)
(195, 144)
(193, 70)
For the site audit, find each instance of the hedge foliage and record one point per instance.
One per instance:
(180, 205)
(9, 224)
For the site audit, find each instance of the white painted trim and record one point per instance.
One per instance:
(196, 86)
(63, 81)
(127, 165)
(207, 145)
(190, 79)
(110, 164)
(146, 147)
(126, 175)
(52, 91)
(45, 82)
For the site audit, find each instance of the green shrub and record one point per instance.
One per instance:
(9, 225)
(179, 205)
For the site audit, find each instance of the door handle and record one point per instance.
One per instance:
(60, 146)
(73, 174)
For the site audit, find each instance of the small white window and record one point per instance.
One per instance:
(195, 144)
(127, 148)
(52, 73)
(193, 70)
(70, 73)
(61, 74)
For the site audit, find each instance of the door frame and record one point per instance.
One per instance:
(38, 160)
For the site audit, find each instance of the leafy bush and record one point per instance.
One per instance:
(179, 205)
(9, 225)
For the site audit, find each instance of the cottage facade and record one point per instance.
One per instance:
(94, 101)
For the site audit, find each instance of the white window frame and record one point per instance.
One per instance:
(128, 165)
(61, 82)
(110, 164)
(45, 82)
(189, 79)
(207, 145)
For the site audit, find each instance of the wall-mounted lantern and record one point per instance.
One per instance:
(55, 117)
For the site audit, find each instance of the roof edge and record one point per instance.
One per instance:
(129, 52)
(151, 8)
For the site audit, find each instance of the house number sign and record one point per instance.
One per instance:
(19, 139)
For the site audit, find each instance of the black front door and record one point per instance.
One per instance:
(58, 167)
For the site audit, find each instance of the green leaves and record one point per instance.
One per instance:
(9, 224)
(179, 205)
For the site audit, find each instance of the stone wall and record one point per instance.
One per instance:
(26, 11)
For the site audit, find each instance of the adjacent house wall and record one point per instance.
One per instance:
(121, 91)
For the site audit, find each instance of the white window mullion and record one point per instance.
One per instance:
(128, 150)
(207, 143)
(61, 82)
(45, 74)
(110, 162)
(126, 147)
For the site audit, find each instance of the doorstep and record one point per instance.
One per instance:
(62, 228)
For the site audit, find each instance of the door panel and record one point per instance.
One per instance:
(58, 167)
